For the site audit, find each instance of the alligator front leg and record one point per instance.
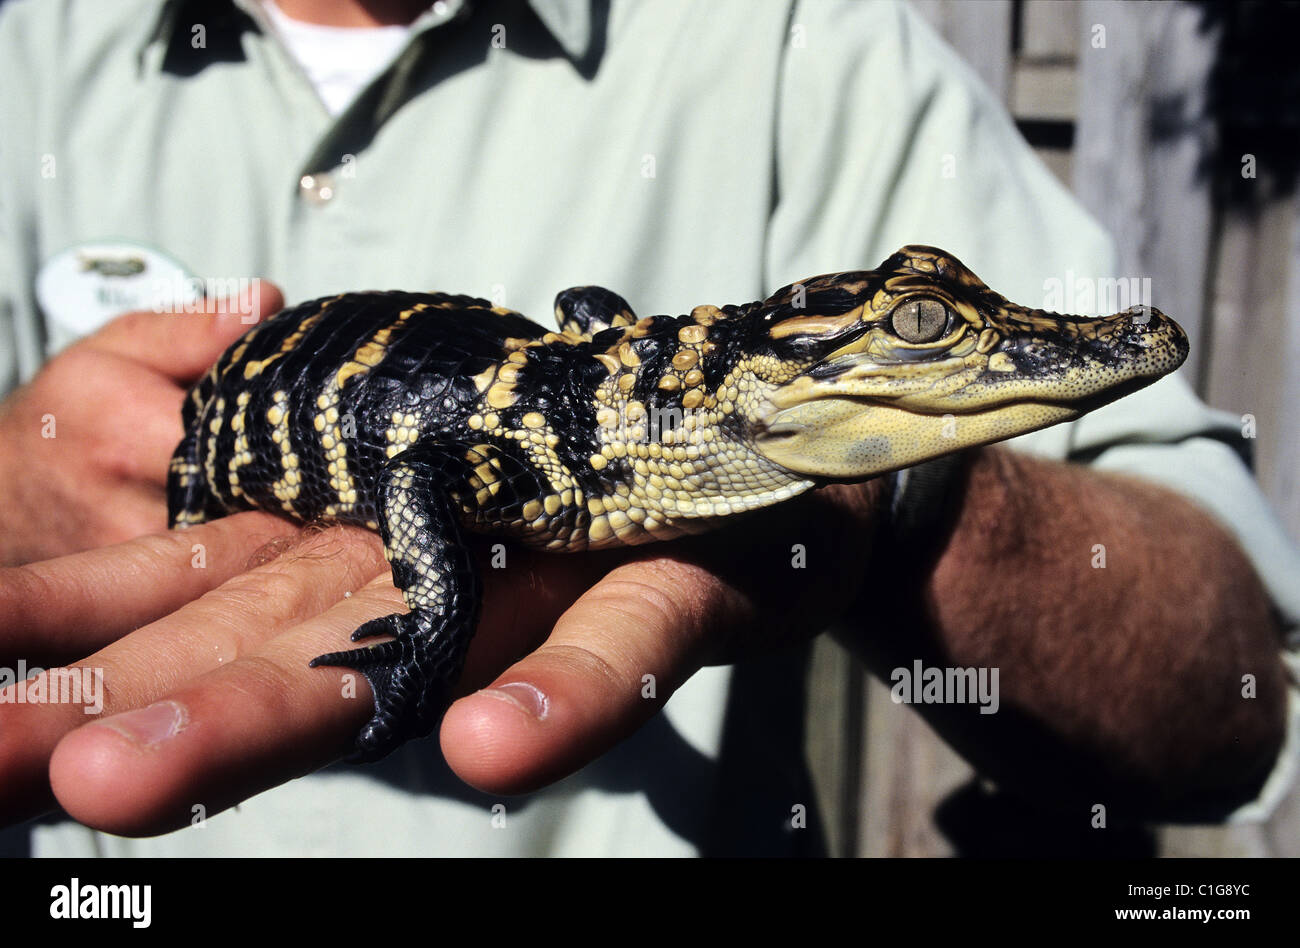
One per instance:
(587, 310)
(412, 676)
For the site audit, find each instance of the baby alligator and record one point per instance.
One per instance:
(424, 415)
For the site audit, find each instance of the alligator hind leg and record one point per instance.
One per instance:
(189, 501)
(412, 676)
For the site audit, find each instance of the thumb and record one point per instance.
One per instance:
(182, 346)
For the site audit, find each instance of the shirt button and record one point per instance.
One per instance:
(316, 188)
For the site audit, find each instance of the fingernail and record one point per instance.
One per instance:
(151, 725)
(524, 696)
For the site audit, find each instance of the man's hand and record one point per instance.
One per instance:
(212, 701)
(87, 441)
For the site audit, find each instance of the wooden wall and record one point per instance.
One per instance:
(888, 785)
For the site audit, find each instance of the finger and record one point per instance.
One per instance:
(139, 437)
(208, 634)
(71, 606)
(182, 346)
(238, 730)
(587, 688)
(522, 603)
(138, 509)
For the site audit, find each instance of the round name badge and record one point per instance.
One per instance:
(83, 287)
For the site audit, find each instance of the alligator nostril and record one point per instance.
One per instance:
(1144, 326)
(1143, 317)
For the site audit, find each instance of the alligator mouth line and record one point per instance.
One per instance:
(1082, 405)
(868, 402)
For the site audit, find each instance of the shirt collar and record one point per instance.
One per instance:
(569, 21)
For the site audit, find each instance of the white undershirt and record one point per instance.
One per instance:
(338, 60)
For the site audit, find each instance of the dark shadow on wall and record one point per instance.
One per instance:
(1254, 97)
(988, 824)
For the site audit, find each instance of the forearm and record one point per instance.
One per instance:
(1120, 683)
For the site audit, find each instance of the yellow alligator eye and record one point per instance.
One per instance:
(919, 320)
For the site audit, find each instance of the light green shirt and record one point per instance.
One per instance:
(679, 152)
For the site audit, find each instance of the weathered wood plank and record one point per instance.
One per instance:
(980, 31)
(1049, 30)
(1281, 477)
(833, 741)
(1141, 142)
(1221, 841)
(1255, 342)
(908, 770)
(1044, 91)
(1282, 832)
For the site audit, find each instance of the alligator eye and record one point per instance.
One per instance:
(920, 320)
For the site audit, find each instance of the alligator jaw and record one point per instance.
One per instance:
(869, 408)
